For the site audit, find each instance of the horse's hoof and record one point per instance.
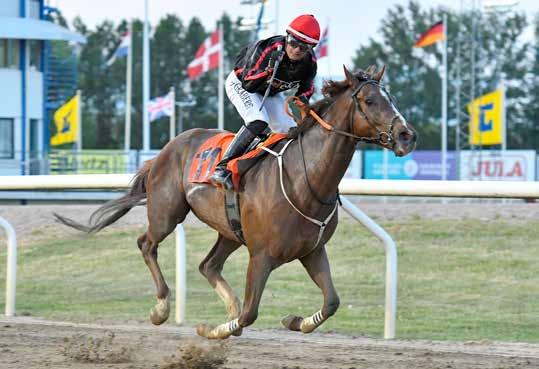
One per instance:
(211, 333)
(292, 322)
(203, 330)
(157, 317)
(238, 332)
(161, 310)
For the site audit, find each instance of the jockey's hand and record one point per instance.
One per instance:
(302, 101)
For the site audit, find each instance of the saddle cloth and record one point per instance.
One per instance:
(211, 151)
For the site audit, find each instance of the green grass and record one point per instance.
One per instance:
(458, 280)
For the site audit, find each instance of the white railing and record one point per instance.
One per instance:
(11, 270)
(487, 189)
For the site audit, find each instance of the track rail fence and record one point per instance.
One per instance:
(474, 189)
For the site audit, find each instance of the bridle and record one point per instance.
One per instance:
(384, 138)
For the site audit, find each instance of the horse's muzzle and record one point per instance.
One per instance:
(405, 140)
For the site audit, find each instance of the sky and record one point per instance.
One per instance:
(352, 22)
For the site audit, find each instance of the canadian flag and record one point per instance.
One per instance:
(206, 57)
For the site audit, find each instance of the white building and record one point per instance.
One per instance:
(23, 131)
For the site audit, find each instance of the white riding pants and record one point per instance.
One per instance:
(248, 106)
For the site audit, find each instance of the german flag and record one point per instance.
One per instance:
(431, 36)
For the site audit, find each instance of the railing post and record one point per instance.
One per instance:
(11, 270)
(391, 265)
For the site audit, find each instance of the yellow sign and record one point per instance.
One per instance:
(486, 119)
(66, 119)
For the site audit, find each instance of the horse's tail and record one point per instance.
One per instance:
(113, 210)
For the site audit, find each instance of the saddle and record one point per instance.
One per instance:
(211, 151)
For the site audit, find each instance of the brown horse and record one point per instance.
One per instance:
(288, 211)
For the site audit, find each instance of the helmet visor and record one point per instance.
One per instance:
(295, 43)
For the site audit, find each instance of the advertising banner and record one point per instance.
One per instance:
(417, 165)
(354, 169)
(509, 165)
(91, 162)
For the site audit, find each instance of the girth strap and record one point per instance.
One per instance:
(233, 215)
(320, 224)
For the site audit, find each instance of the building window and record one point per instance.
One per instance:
(33, 10)
(6, 138)
(9, 53)
(35, 54)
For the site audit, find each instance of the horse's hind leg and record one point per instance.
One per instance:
(211, 268)
(258, 271)
(167, 207)
(317, 265)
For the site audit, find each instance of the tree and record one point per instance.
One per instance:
(101, 87)
(531, 131)
(413, 75)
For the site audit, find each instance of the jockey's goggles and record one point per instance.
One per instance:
(295, 43)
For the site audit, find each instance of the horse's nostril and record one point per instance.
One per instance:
(405, 136)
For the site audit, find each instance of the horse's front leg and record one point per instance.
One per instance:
(317, 265)
(258, 271)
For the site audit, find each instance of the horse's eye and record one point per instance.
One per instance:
(368, 101)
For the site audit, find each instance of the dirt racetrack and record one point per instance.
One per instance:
(29, 343)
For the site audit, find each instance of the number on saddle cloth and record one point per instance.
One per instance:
(210, 153)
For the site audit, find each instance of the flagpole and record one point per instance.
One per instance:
(504, 122)
(444, 102)
(173, 114)
(79, 132)
(220, 87)
(79, 122)
(328, 49)
(145, 82)
(127, 133)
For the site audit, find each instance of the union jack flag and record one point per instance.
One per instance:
(160, 107)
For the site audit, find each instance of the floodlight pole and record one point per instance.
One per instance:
(444, 102)
(145, 82)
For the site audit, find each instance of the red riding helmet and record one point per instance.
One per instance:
(305, 28)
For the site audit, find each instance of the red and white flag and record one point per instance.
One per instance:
(322, 48)
(206, 57)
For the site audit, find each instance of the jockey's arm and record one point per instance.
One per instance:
(306, 86)
(258, 71)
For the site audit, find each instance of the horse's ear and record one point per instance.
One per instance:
(371, 70)
(380, 73)
(349, 76)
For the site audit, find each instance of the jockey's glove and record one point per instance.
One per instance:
(303, 100)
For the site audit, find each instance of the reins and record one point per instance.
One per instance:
(383, 138)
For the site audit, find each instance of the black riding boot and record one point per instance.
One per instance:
(242, 140)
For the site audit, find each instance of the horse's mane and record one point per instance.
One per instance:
(331, 90)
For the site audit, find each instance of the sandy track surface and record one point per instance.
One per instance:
(32, 343)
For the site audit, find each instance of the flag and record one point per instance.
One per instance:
(122, 49)
(431, 36)
(161, 106)
(322, 48)
(486, 115)
(206, 57)
(66, 119)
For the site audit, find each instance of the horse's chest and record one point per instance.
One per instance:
(290, 236)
